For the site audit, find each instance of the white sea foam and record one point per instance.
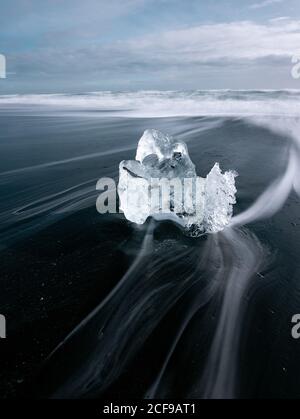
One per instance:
(168, 103)
(274, 197)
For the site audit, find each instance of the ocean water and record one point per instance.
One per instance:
(99, 307)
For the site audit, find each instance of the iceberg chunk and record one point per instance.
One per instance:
(133, 190)
(162, 156)
(162, 183)
(220, 193)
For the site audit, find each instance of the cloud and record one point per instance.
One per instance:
(205, 43)
(177, 54)
(33, 23)
(265, 3)
(232, 41)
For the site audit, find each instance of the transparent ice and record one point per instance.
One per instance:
(162, 183)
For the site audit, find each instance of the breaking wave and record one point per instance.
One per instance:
(168, 103)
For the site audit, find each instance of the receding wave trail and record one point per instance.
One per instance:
(245, 257)
(166, 103)
(275, 196)
(110, 337)
(240, 255)
(23, 220)
(23, 170)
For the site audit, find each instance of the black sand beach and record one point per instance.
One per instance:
(174, 316)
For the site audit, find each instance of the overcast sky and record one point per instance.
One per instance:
(87, 45)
